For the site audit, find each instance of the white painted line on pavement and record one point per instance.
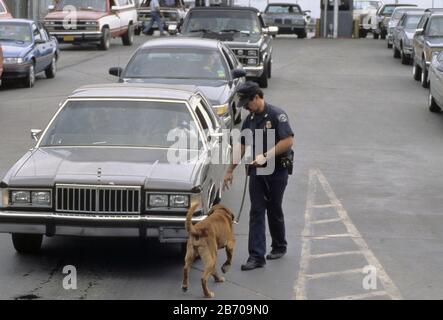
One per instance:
(326, 221)
(329, 236)
(333, 274)
(318, 206)
(334, 254)
(362, 296)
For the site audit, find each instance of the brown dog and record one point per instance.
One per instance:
(205, 238)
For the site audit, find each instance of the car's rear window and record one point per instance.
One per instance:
(283, 9)
(122, 123)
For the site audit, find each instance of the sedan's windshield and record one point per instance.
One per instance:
(283, 9)
(412, 22)
(223, 21)
(122, 123)
(361, 5)
(94, 5)
(388, 10)
(20, 32)
(399, 13)
(436, 27)
(177, 63)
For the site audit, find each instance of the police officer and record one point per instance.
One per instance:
(265, 191)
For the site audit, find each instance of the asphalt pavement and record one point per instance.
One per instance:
(365, 195)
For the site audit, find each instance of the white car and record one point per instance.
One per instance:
(92, 21)
(366, 12)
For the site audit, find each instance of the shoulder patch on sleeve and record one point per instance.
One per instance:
(283, 118)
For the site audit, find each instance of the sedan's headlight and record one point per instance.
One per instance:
(158, 200)
(91, 23)
(12, 60)
(179, 201)
(252, 61)
(221, 110)
(20, 197)
(41, 198)
(252, 53)
(4, 198)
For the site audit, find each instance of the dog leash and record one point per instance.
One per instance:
(244, 195)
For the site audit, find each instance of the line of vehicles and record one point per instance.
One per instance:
(103, 166)
(415, 36)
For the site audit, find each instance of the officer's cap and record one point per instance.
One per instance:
(246, 91)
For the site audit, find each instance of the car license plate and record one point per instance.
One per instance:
(68, 38)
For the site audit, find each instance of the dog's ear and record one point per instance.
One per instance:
(229, 212)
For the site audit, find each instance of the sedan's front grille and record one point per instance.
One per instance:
(287, 21)
(98, 199)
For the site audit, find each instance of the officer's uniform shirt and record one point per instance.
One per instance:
(271, 118)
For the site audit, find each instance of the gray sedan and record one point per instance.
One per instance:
(208, 64)
(109, 164)
(289, 18)
(435, 101)
(404, 36)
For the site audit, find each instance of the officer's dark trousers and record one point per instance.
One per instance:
(266, 194)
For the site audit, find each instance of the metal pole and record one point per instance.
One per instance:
(325, 19)
(335, 19)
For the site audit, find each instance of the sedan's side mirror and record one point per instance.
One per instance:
(116, 71)
(307, 11)
(51, 7)
(173, 29)
(272, 30)
(39, 41)
(115, 8)
(419, 32)
(35, 134)
(238, 73)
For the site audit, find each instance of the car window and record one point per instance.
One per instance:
(240, 22)
(43, 33)
(435, 28)
(10, 31)
(232, 56)
(94, 5)
(228, 59)
(283, 9)
(360, 5)
(422, 21)
(121, 123)
(411, 22)
(177, 63)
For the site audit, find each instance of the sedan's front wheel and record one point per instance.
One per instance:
(27, 243)
(433, 106)
(29, 80)
(416, 72)
(424, 78)
(51, 71)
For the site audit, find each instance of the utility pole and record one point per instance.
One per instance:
(325, 19)
(335, 19)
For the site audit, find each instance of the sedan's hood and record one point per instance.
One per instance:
(14, 49)
(434, 41)
(80, 15)
(215, 90)
(96, 166)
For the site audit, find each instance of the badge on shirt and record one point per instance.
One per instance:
(282, 118)
(268, 125)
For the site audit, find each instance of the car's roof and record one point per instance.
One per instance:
(17, 21)
(183, 42)
(399, 5)
(409, 8)
(283, 4)
(136, 91)
(224, 9)
(436, 14)
(434, 10)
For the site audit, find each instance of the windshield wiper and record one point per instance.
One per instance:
(236, 31)
(202, 30)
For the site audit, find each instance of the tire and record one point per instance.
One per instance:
(396, 53)
(128, 37)
(376, 36)
(362, 33)
(424, 79)
(269, 70)
(27, 243)
(389, 45)
(404, 58)
(302, 35)
(51, 70)
(29, 80)
(383, 34)
(433, 106)
(416, 72)
(105, 41)
(263, 80)
(137, 31)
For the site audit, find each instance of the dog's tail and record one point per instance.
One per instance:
(189, 226)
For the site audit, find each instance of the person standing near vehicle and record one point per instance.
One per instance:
(265, 191)
(155, 17)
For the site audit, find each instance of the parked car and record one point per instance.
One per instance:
(289, 18)
(395, 18)
(242, 29)
(383, 17)
(365, 12)
(435, 100)
(105, 166)
(208, 64)
(96, 21)
(1, 64)
(170, 15)
(404, 35)
(27, 51)
(4, 12)
(428, 41)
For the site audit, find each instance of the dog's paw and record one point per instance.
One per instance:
(220, 279)
(210, 295)
(225, 268)
(184, 288)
